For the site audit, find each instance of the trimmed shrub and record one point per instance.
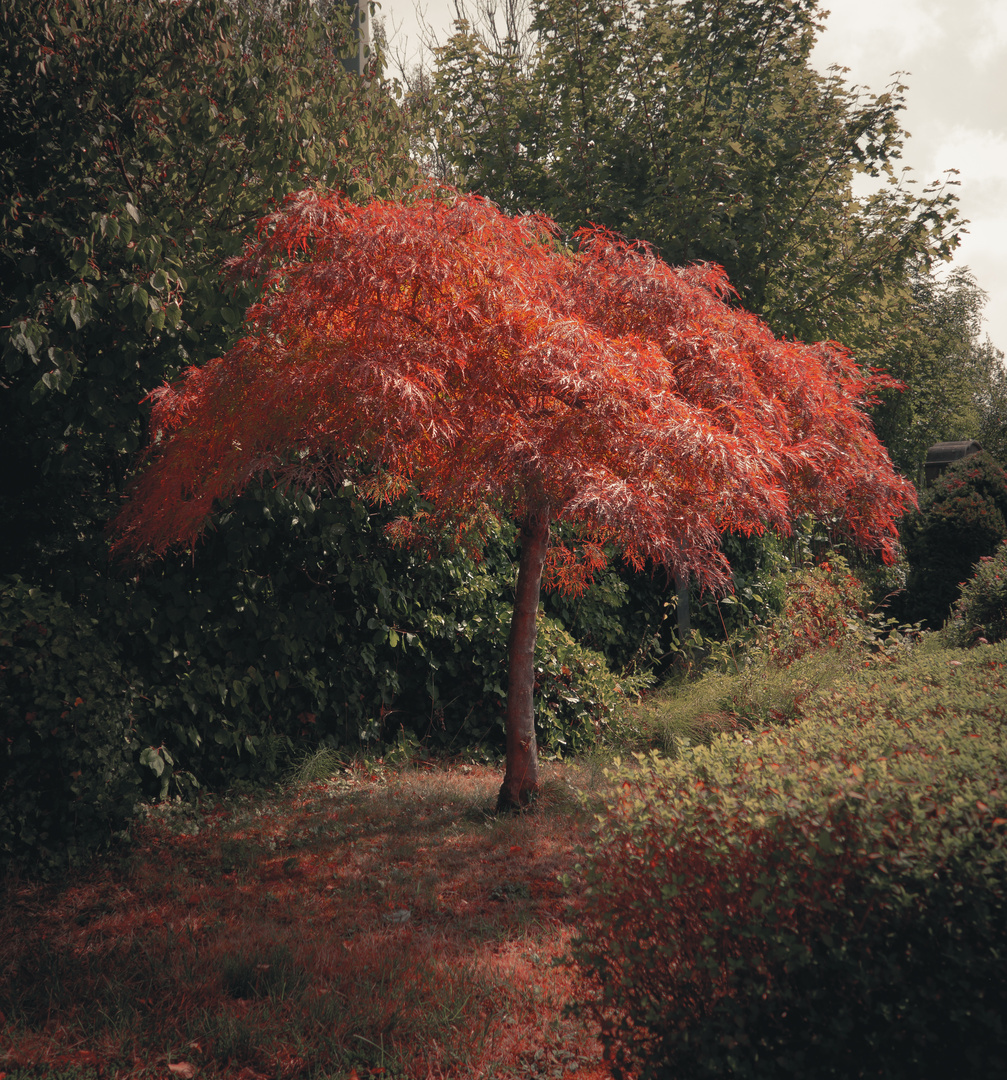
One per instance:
(824, 900)
(980, 613)
(960, 520)
(68, 781)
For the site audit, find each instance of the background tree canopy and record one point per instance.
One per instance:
(702, 128)
(955, 384)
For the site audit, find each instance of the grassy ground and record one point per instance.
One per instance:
(372, 922)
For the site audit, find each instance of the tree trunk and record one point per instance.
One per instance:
(682, 608)
(521, 778)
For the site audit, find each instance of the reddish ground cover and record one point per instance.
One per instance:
(376, 924)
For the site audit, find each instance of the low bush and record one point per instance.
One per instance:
(827, 899)
(823, 607)
(69, 778)
(980, 613)
(962, 518)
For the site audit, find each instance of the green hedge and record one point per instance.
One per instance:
(824, 899)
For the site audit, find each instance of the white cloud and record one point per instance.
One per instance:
(877, 36)
(991, 40)
(979, 155)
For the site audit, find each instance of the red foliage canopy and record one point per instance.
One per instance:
(436, 342)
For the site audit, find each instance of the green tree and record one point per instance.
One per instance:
(702, 128)
(955, 385)
(139, 142)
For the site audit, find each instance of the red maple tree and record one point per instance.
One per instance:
(439, 344)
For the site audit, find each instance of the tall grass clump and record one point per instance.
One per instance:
(824, 633)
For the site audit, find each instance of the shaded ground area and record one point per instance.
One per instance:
(378, 923)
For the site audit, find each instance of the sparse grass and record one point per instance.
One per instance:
(750, 698)
(374, 920)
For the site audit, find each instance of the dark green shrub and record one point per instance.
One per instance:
(759, 572)
(980, 613)
(961, 518)
(68, 782)
(825, 900)
(298, 624)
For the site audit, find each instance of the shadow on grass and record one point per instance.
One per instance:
(351, 923)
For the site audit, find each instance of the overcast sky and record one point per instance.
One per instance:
(955, 54)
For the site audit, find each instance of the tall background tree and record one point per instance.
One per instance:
(139, 143)
(954, 384)
(702, 128)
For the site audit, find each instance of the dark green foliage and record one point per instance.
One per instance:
(631, 616)
(961, 518)
(826, 900)
(138, 146)
(759, 571)
(297, 624)
(980, 613)
(68, 774)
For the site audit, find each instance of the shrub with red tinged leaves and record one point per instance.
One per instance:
(980, 613)
(827, 900)
(436, 343)
(823, 608)
(962, 518)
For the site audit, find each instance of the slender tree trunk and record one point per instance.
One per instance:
(682, 608)
(521, 778)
